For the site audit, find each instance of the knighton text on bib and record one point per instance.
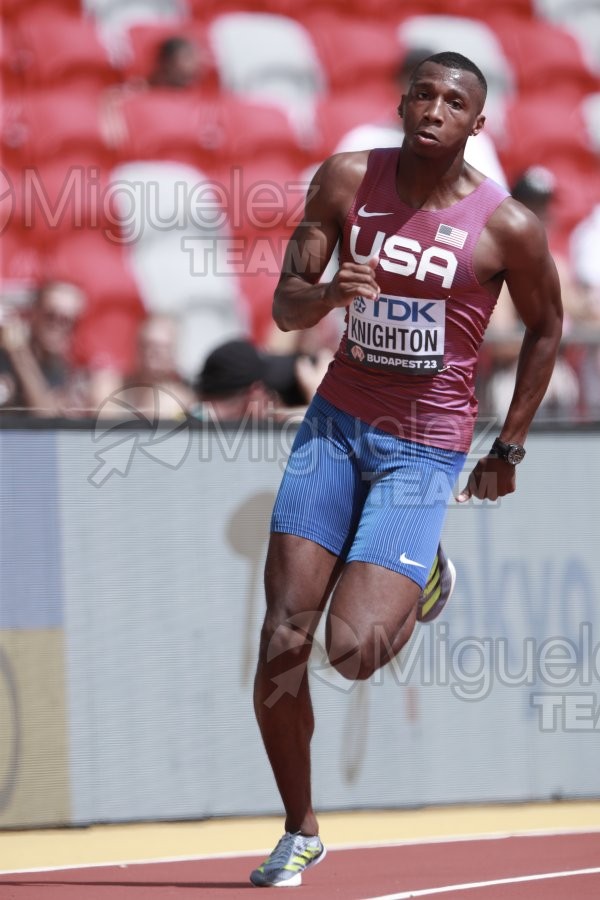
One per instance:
(401, 333)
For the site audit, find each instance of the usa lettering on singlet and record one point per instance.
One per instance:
(401, 332)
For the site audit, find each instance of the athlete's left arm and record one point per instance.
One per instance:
(531, 277)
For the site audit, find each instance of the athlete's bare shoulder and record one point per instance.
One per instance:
(518, 235)
(337, 179)
(347, 165)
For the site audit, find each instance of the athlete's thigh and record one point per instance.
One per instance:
(299, 576)
(404, 513)
(322, 491)
(370, 609)
(395, 542)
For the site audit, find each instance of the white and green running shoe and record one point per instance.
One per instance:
(293, 855)
(439, 587)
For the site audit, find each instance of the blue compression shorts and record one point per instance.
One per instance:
(364, 494)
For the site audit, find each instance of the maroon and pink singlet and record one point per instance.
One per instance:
(406, 362)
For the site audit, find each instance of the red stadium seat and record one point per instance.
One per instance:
(521, 9)
(205, 10)
(14, 131)
(21, 264)
(107, 339)
(15, 8)
(577, 192)
(51, 121)
(60, 47)
(261, 196)
(264, 204)
(205, 132)
(544, 57)
(11, 61)
(63, 194)
(88, 258)
(9, 199)
(537, 132)
(338, 113)
(263, 258)
(377, 9)
(354, 49)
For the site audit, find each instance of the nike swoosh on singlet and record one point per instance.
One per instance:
(410, 562)
(363, 212)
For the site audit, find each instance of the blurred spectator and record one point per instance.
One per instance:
(480, 151)
(535, 188)
(561, 400)
(179, 64)
(156, 387)
(239, 382)
(36, 375)
(585, 259)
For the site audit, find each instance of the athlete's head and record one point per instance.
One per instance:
(443, 104)
(451, 60)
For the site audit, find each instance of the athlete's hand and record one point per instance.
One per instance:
(491, 478)
(353, 280)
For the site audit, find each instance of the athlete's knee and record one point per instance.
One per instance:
(347, 650)
(355, 662)
(358, 656)
(286, 639)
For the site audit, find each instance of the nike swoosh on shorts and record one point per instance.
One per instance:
(410, 562)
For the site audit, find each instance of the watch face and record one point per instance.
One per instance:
(515, 455)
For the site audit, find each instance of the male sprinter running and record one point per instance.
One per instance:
(426, 244)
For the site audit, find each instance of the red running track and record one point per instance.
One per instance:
(368, 873)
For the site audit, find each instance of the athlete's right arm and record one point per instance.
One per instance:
(300, 301)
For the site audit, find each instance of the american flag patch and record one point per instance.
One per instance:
(446, 234)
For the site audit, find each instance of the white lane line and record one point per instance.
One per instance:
(331, 848)
(452, 888)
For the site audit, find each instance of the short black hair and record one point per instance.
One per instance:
(452, 60)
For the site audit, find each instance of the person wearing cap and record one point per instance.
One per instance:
(239, 382)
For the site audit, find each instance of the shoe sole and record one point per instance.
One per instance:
(296, 880)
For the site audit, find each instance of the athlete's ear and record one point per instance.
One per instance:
(401, 106)
(479, 123)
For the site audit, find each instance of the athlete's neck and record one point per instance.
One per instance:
(432, 184)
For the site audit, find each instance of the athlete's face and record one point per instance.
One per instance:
(441, 109)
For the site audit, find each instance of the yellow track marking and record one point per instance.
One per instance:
(53, 848)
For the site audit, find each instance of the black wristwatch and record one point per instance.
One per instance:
(510, 453)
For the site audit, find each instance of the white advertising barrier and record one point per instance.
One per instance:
(163, 541)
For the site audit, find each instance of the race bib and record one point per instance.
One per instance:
(401, 333)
